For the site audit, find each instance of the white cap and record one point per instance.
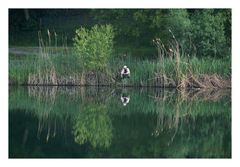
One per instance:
(125, 66)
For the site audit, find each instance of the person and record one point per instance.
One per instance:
(125, 100)
(125, 72)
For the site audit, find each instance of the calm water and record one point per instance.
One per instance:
(105, 122)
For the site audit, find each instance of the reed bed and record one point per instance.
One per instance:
(32, 71)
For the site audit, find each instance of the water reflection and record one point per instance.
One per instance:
(93, 125)
(125, 97)
(92, 122)
(125, 100)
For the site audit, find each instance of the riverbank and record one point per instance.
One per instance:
(91, 79)
(28, 67)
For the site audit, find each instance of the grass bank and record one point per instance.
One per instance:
(61, 66)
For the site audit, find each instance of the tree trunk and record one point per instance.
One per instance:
(26, 14)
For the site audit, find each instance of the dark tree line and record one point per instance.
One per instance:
(204, 32)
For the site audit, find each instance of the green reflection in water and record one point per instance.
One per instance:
(93, 122)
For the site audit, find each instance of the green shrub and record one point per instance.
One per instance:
(94, 47)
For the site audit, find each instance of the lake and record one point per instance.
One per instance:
(112, 122)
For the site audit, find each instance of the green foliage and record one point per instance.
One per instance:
(140, 26)
(177, 20)
(208, 33)
(94, 47)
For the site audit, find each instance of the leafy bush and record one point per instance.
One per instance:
(94, 47)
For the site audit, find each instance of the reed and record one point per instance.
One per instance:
(186, 71)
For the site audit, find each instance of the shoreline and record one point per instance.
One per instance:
(222, 84)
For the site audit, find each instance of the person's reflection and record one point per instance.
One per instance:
(125, 99)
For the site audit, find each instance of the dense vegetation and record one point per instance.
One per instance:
(206, 30)
(174, 47)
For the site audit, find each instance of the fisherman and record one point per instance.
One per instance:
(125, 72)
(125, 100)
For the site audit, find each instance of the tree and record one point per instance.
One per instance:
(176, 20)
(208, 33)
